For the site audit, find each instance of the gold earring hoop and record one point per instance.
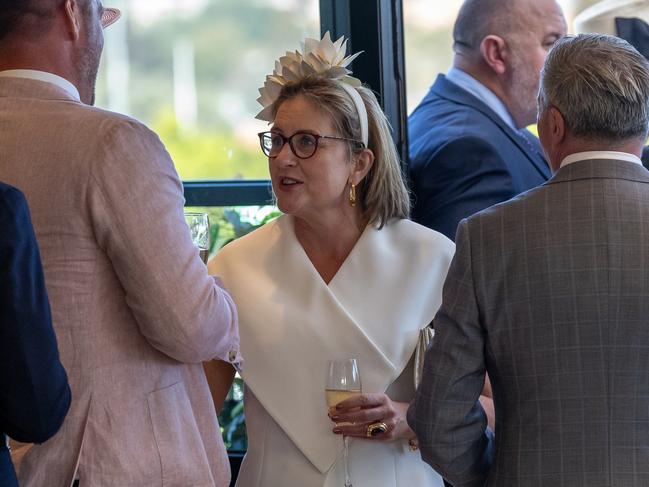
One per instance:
(352, 195)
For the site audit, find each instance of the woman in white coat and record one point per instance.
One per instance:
(343, 273)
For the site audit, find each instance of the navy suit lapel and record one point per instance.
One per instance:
(530, 147)
(535, 152)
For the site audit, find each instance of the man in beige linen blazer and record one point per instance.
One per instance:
(134, 309)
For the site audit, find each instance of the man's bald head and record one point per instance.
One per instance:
(503, 43)
(479, 18)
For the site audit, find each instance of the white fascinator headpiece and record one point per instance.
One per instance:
(319, 58)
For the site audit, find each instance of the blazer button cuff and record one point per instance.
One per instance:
(235, 359)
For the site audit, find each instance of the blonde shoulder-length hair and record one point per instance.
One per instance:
(382, 195)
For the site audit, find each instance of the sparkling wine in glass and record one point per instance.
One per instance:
(199, 229)
(343, 382)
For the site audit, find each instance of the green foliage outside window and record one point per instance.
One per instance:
(203, 151)
(227, 224)
(232, 420)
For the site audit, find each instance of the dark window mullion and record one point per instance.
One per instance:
(375, 27)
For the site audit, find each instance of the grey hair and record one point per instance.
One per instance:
(600, 84)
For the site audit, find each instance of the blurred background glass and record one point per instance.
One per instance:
(199, 230)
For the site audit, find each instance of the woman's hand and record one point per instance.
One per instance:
(363, 410)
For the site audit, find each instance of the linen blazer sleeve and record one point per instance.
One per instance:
(34, 391)
(462, 177)
(450, 424)
(136, 204)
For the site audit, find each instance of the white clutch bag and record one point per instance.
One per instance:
(425, 341)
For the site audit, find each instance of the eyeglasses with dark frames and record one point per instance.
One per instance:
(302, 144)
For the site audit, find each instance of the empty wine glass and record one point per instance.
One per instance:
(199, 229)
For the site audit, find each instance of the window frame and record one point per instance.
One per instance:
(228, 192)
(373, 26)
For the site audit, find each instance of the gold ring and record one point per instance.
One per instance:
(376, 429)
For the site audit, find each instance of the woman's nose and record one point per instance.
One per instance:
(285, 156)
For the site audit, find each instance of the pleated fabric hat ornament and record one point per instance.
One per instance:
(318, 58)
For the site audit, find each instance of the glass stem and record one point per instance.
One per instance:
(348, 480)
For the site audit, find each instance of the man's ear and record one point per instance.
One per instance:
(72, 18)
(557, 125)
(494, 52)
(363, 163)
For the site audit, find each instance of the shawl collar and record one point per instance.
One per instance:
(292, 323)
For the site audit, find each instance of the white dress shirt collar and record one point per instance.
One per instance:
(482, 93)
(583, 156)
(43, 76)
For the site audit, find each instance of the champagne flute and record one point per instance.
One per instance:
(199, 229)
(343, 382)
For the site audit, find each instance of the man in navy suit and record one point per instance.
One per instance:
(34, 391)
(469, 148)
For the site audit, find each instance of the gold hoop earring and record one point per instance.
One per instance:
(352, 195)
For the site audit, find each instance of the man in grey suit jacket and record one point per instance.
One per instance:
(549, 293)
(134, 309)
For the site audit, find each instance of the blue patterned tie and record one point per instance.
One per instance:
(524, 134)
